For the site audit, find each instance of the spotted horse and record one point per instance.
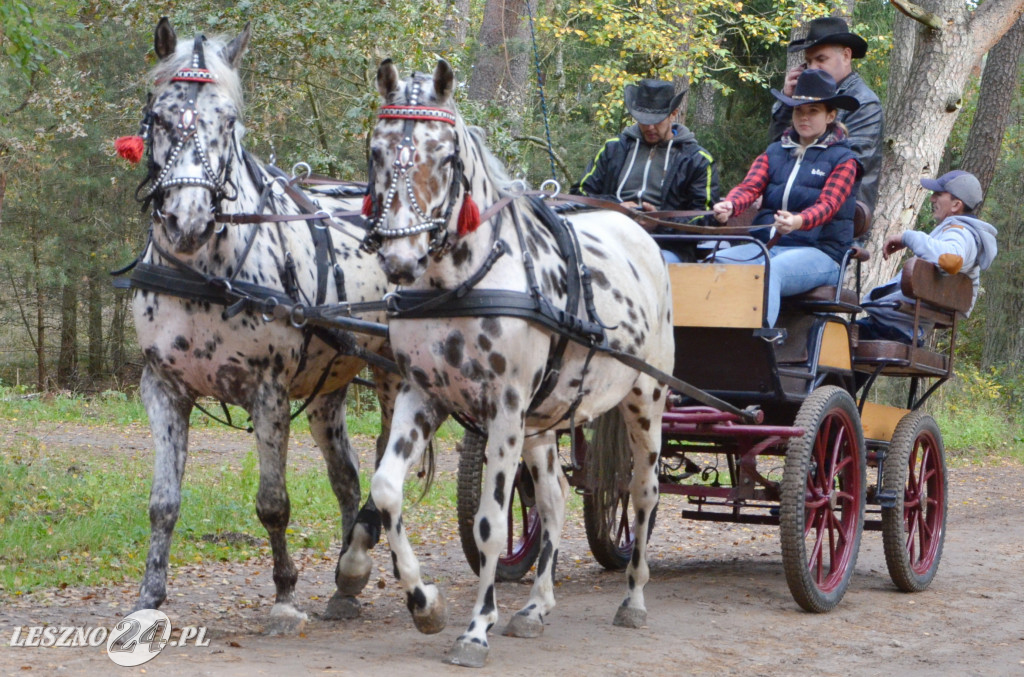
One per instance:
(489, 325)
(207, 301)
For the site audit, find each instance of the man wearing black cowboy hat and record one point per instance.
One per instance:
(831, 47)
(656, 164)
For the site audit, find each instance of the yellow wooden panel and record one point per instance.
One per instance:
(835, 347)
(717, 295)
(879, 421)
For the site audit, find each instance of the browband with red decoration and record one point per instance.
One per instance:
(193, 75)
(416, 113)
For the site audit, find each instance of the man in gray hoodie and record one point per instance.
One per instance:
(960, 243)
(656, 164)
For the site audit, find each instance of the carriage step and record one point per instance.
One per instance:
(886, 499)
(730, 517)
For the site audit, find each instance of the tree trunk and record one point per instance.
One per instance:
(704, 111)
(503, 57)
(117, 335)
(95, 328)
(456, 25)
(40, 320)
(904, 35)
(919, 122)
(998, 87)
(3, 191)
(67, 357)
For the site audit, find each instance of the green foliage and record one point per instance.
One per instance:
(972, 414)
(698, 41)
(67, 520)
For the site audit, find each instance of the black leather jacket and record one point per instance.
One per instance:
(865, 127)
(690, 180)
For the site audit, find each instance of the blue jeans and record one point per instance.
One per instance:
(793, 270)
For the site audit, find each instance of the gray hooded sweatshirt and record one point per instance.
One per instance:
(959, 240)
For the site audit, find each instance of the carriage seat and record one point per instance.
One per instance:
(938, 298)
(832, 298)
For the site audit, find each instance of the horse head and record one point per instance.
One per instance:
(416, 177)
(193, 130)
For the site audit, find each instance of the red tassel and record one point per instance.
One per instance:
(469, 216)
(130, 148)
(367, 205)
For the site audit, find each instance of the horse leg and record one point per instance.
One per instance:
(168, 410)
(641, 411)
(270, 420)
(504, 445)
(326, 414)
(415, 420)
(541, 456)
(362, 529)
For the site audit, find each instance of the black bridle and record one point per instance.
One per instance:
(195, 75)
(405, 155)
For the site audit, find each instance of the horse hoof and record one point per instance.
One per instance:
(342, 608)
(286, 621)
(350, 586)
(628, 617)
(433, 618)
(524, 626)
(468, 654)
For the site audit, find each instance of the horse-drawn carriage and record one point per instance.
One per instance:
(523, 321)
(819, 462)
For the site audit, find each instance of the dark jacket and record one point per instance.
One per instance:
(795, 183)
(689, 181)
(865, 127)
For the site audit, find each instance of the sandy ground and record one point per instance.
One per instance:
(717, 603)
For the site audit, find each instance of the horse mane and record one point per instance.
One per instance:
(213, 51)
(493, 167)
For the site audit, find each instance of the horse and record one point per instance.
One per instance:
(196, 344)
(502, 368)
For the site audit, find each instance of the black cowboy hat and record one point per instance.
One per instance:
(831, 30)
(816, 86)
(652, 101)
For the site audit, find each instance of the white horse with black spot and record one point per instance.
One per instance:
(461, 352)
(205, 305)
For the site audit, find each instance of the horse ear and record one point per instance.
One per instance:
(387, 78)
(444, 81)
(164, 38)
(236, 48)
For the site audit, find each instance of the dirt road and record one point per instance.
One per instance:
(717, 604)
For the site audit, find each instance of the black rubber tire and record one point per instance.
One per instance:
(821, 516)
(609, 530)
(524, 547)
(914, 529)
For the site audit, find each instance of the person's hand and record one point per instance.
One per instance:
(629, 204)
(722, 211)
(787, 222)
(892, 244)
(648, 207)
(792, 75)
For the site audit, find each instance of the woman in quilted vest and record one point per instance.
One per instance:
(806, 180)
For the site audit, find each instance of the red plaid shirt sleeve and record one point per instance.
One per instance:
(838, 187)
(751, 187)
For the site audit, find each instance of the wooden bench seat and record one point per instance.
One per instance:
(938, 299)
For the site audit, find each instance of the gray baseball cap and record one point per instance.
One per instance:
(962, 185)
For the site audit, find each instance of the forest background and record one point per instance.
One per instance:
(73, 78)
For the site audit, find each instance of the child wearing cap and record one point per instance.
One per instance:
(806, 180)
(960, 243)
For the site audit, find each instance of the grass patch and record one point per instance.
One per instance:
(84, 521)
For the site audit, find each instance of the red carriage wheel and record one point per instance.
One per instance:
(823, 497)
(914, 529)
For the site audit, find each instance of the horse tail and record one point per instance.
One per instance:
(608, 461)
